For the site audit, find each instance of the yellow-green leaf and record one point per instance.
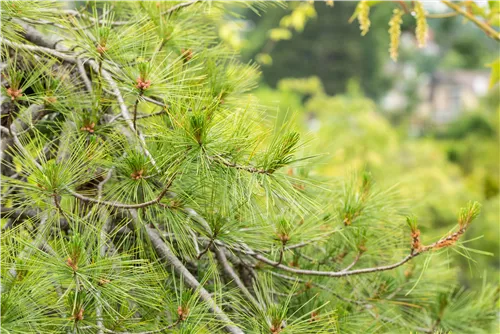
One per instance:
(494, 5)
(278, 34)
(264, 59)
(494, 19)
(356, 11)
(495, 72)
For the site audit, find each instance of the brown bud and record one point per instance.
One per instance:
(88, 127)
(182, 312)
(137, 174)
(14, 93)
(284, 238)
(101, 48)
(187, 54)
(314, 316)
(79, 316)
(51, 99)
(103, 281)
(71, 264)
(142, 84)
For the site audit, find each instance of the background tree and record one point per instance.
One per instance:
(145, 191)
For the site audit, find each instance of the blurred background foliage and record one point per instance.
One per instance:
(428, 123)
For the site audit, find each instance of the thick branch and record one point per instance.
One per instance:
(165, 253)
(36, 48)
(221, 257)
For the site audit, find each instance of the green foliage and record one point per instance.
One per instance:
(145, 190)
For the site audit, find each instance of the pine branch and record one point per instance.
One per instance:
(250, 169)
(119, 205)
(44, 45)
(221, 257)
(123, 108)
(334, 273)
(165, 253)
(38, 49)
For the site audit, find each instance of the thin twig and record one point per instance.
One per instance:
(356, 259)
(404, 6)
(281, 256)
(334, 273)
(93, 20)
(123, 205)
(250, 169)
(179, 6)
(441, 16)
(203, 252)
(83, 74)
(154, 101)
(482, 25)
(159, 113)
(319, 286)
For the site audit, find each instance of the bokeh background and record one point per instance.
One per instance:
(426, 125)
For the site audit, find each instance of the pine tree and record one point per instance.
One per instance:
(145, 191)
